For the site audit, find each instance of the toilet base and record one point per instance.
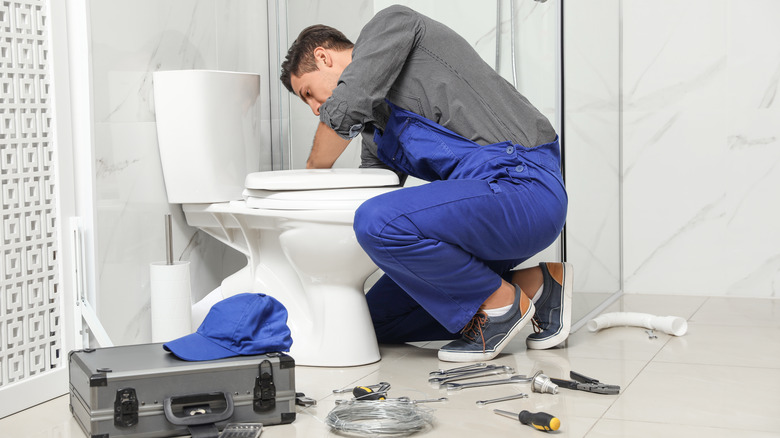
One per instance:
(308, 260)
(341, 338)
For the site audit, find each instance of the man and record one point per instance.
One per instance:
(428, 106)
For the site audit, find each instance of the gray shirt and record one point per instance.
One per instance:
(425, 67)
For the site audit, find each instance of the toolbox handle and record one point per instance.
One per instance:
(196, 409)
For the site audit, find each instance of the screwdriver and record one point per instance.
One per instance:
(366, 393)
(539, 420)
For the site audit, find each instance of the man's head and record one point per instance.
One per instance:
(314, 64)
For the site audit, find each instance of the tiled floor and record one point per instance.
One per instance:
(721, 379)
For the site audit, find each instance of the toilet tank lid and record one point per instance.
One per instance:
(316, 179)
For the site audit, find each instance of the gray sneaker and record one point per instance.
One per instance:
(552, 321)
(483, 338)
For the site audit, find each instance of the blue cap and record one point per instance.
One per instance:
(241, 325)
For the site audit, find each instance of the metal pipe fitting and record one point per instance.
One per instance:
(542, 383)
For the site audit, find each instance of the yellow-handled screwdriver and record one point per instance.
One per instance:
(538, 420)
(367, 393)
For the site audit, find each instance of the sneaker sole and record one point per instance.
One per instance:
(558, 337)
(459, 356)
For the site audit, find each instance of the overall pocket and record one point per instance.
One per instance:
(424, 149)
(408, 144)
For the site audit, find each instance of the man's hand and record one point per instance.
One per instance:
(326, 148)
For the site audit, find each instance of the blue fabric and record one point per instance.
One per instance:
(444, 246)
(241, 325)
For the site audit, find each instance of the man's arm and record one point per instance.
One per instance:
(327, 147)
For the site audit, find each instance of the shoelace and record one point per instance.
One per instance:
(475, 325)
(537, 324)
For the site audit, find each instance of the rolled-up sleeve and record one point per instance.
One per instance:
(378, 57)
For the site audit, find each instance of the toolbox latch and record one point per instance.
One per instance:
(265, 391)
(125, 408)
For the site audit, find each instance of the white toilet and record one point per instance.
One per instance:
(294, 226)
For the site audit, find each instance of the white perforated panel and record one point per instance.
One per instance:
(29, 303)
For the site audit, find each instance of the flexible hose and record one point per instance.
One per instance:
(379, 417)
(672, 325)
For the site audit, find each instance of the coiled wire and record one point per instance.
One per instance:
(379, 417)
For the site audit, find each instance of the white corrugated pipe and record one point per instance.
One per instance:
(672, 325)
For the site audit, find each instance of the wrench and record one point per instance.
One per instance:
(509, 397)
(457, 370)
(487, 371)
(429, 400)
(514, 379)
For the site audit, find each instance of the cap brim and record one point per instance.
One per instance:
(197, 347)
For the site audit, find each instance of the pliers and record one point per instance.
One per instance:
(585, 383)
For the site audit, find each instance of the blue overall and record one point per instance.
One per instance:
(444, 246)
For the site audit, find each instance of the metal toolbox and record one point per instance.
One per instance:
(144, 391)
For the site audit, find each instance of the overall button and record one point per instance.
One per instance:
(520, 168)
(510, 149)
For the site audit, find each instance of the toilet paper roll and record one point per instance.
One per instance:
(171, 302)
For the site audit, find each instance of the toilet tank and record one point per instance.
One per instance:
(208, 131)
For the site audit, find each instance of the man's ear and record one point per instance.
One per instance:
(322, 56)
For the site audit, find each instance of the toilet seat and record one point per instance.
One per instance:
(316, 189)
(318, 179)
(327, 199)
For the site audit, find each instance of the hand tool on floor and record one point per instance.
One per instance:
(367, 392)
(500, 399)
(514, 379)
(242, 430)
(585, 383)
(539, 383)
(372, 392)
(538, 420)
(302, 400)
(543, 384)
(451, 371)
(427, 400)
(488, 370)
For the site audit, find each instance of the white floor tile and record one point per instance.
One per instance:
(749, 312)
(724, 345)
(616, 343)
(48, 420)
(703, 395)
(638, 429)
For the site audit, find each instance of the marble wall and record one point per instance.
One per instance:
(303, 123)
(592, 143)
(130, 40)
(701, 147)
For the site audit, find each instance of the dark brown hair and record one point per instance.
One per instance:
(300, 57)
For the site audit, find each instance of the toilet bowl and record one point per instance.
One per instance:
(293, 226)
